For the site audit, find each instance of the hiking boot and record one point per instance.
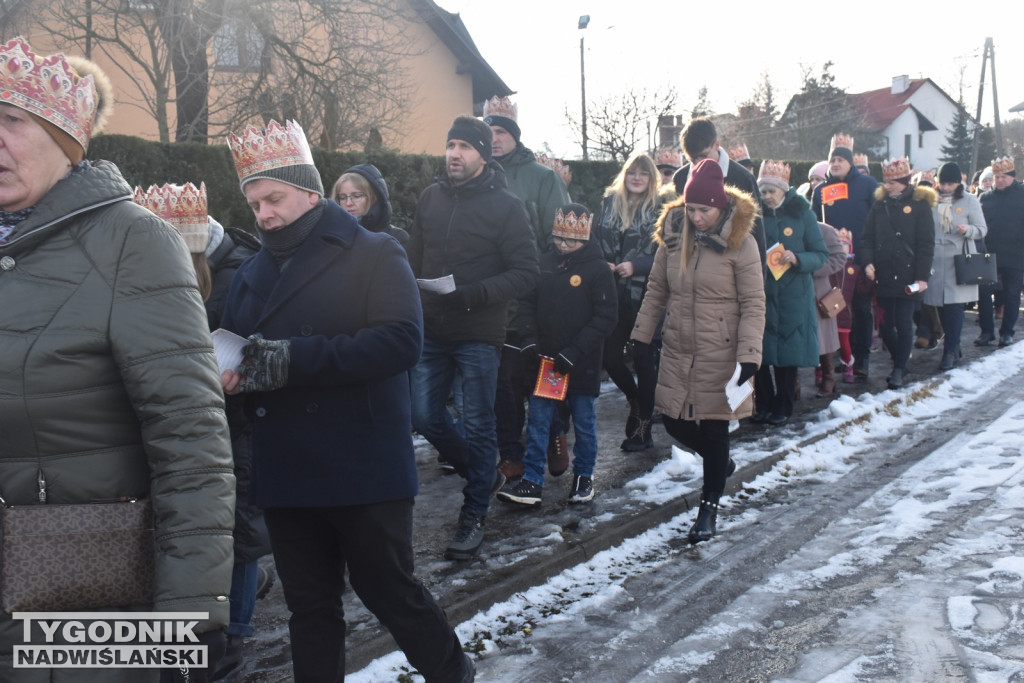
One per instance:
(582, 489)
(511, 469)
(524, 492)
(264, 581)
(558, 455)
(641, 439)
(469, 536)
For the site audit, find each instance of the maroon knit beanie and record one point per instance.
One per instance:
(706, 185)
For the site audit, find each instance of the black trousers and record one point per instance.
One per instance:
(710, 440)
(312, 548)
(776, 396)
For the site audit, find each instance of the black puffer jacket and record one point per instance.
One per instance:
(572, 310)
(1004, 214)
(479, 233)
(899, 239)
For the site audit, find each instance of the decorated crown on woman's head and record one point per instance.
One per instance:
(276, 146)
(668, 156)
(895, 169)
(184, 207)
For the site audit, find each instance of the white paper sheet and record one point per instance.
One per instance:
(737, 393)
(441, 285)
(228, 347)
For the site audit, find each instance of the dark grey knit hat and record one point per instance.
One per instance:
(302, 176)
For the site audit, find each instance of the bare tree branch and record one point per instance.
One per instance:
(621, 123)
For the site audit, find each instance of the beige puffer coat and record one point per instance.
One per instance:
(109, 387)
(713, 304)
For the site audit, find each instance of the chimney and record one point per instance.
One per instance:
(900, 84)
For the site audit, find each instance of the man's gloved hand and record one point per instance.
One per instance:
(562, 364)
(216, 645)
(747, 370)
(265, 364)
(466, 297)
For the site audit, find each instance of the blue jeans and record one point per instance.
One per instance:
(538, 430)
(244, 576)
(474, 455)
(952, 316)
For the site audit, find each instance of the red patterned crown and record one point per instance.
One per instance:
(860, 159)
(572, 226)
(774, 173)
(276, 146)
(557, 166)
(669, 156)
(501, 106)
(49, 88)
(184, 207)
(841, 140)
(895, 169)
(1002, 165)
(739, 152)
(926, 177)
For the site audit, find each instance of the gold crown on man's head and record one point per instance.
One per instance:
(571, 226)
(896, 169)
(557, 166)
(841, 140)
(1002, 165)
(276, 146)
(48, 87)
(859, 159)
(739, 152)
(501, 106)
(184, 207)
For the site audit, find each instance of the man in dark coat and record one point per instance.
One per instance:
(843, 201)
(333, 326)
(474, 235)
(1003, 207)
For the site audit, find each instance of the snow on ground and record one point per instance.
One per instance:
(899, 511)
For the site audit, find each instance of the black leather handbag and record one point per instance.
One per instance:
(976, 269)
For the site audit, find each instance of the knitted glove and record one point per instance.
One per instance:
(562, 364)
(747, 370)
(466, 297)
(265, 364)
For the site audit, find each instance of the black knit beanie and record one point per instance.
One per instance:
(843, 152)
(949, 172)
(302, 176)
(506, 123)
(475, 132)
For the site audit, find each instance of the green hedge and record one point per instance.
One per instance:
(146, 163)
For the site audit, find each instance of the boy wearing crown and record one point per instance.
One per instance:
(572, 310)
(1003, 207)
(333, 323)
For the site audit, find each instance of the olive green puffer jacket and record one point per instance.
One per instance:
(109, 385)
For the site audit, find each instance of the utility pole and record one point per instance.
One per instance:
(584, 20)
(988, 55)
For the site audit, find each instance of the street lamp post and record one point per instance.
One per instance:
(584, 20)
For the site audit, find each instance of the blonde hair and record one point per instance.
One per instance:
(203, 275)
(625, 207)
(361, 183)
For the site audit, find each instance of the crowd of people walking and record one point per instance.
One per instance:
(699, 289)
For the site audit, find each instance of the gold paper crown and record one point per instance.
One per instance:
(774, 170)
(557, 166)
(739, 152)
(923, 177)
(894, 169)
(841, 140)
(262, 150)
(501, 106)
(669, 156)
(859, 159)
(572, 226)
(49, 88)
(1002, 165)
(184, 207)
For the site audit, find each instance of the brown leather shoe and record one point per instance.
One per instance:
(512, 469)
(558, 455)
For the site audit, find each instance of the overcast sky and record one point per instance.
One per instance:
(534, 45)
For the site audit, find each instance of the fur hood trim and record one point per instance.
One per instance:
(921, 193)
(744, 211)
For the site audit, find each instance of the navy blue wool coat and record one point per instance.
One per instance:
(339, 433)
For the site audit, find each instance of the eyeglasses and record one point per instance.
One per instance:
(642, 174)
(355, 196)
(566, 241)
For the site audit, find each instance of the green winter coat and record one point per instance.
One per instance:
(541, 189)
(109, 387)
(791, 314)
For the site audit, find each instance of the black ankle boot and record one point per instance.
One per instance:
(633, 418)
(704, 528)
(641, 439)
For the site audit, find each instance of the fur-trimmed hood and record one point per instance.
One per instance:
(739, 222)
(921, 193)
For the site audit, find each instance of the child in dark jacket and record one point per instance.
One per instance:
(566, 319)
